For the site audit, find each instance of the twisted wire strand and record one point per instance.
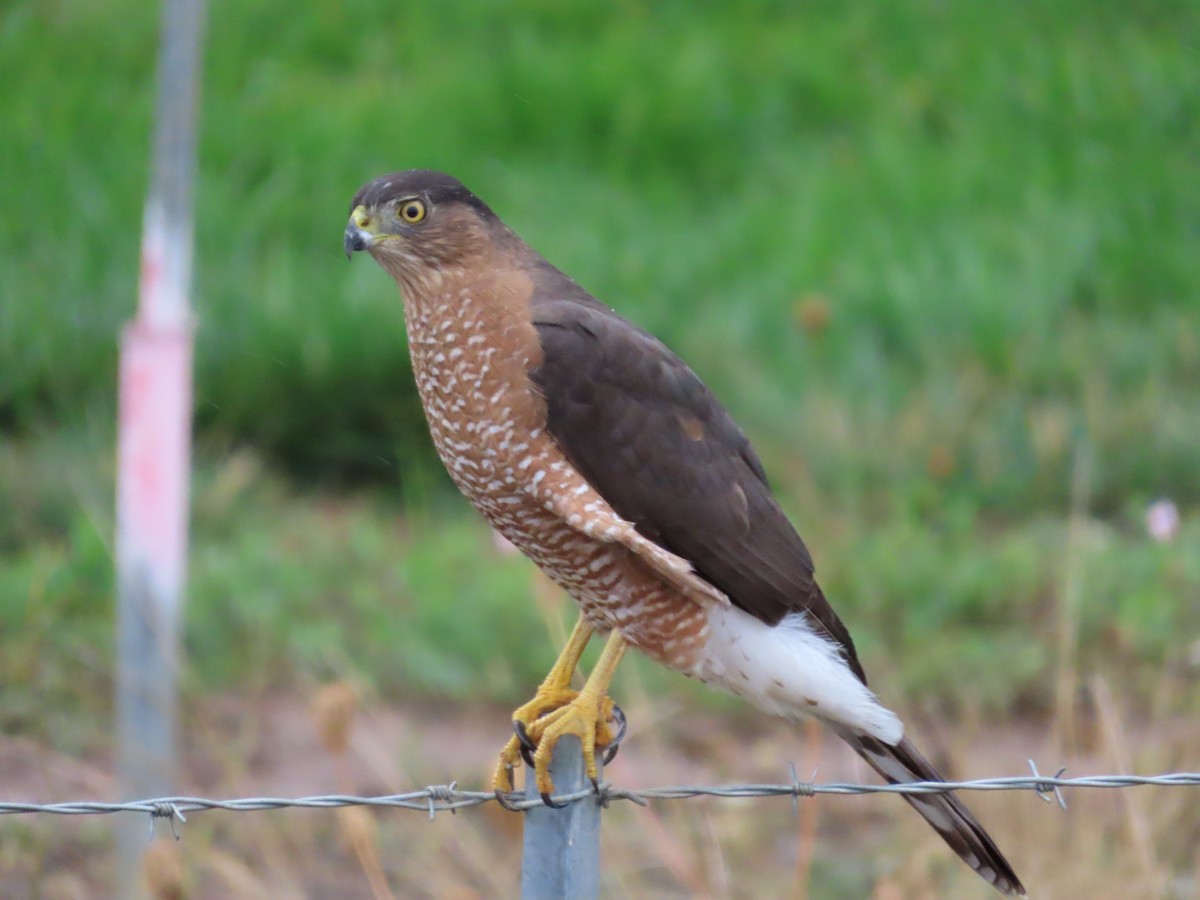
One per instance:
(448, 798)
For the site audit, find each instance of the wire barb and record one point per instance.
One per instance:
(1045, 789)
(164, 809)
(443, 794)
(802, 788)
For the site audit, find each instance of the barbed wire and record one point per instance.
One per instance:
(448, 798)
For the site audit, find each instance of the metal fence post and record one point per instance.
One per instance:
(561, 854)
(153, 446)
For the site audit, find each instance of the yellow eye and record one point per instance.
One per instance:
(412, 211)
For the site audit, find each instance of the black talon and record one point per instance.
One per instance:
(502, 799)
(528, 747)
(610, 750)
(523, 734)
(550, 803)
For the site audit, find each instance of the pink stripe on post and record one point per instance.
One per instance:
(154, 453)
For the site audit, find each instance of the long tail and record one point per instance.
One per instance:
(945, 812)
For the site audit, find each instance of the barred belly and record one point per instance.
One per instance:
(478, 403)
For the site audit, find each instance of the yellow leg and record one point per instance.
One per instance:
(555, 691)
(586, 717)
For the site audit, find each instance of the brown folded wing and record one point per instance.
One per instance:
(657, 445)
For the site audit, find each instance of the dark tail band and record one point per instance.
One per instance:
(947, 814)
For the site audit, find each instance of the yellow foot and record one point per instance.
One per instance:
(596, 721)
(544, 701)
(540, 722)
(557, 710)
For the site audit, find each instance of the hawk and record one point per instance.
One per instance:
(603, 457)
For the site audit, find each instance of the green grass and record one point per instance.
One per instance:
(289, 590)
(998, 206)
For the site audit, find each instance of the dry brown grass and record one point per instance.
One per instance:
(1108, 844)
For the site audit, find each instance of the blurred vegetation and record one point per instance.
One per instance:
(933, 255)
(967, 226)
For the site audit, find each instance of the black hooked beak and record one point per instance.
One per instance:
(353, 240)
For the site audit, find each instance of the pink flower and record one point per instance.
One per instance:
(1162, 521)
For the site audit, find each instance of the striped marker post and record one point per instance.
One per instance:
(153, 446)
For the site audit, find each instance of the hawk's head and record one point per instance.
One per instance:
(419, 222)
